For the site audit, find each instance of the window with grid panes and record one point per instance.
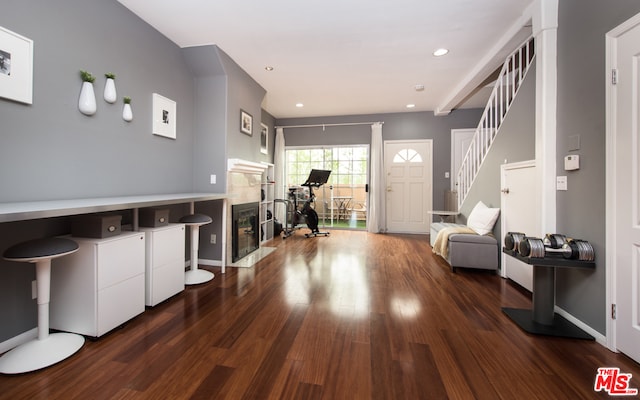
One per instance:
(348, 164)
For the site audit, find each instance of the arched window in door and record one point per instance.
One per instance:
(407, 156)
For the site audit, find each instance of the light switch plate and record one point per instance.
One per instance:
(561, 183)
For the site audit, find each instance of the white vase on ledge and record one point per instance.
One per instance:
(87, 101)
(110, 95)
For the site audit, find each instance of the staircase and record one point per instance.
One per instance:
(504, 92)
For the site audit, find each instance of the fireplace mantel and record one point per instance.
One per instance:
(244, 166)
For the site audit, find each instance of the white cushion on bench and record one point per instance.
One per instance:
(482, 218)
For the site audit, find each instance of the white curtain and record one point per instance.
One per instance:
(279, 164)
(376, 220)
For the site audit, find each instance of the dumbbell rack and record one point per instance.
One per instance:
(542, 319)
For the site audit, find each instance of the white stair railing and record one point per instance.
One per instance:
(504, 92)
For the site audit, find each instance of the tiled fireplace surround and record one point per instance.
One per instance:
(243, 185)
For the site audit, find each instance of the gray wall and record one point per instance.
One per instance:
(244, 94)
(397, 126)
(270, 121)
(515, 142)
(222, 89)
(210, 122)
(581, 111)
(49, 150)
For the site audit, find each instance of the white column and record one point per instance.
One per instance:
(545, 26)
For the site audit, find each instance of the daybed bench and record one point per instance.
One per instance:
(471, 245)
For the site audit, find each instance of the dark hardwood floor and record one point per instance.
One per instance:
(350, 316)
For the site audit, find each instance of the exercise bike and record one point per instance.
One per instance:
(297, 215)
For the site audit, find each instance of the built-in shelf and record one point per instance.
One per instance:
(266, 203)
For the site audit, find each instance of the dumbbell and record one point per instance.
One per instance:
(512, 240)
(573, 249)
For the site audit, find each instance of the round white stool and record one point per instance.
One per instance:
(195, 276)
(47, 349)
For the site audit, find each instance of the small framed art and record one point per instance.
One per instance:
(246, 123)
(16, 67)
(164, 116)
(264, 138)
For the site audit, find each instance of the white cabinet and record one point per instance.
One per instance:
(100, 286)
(164, 266)
(266, 204)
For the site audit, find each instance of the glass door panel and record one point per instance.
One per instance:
(342, 202)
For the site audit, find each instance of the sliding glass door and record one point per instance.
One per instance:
(342, 202)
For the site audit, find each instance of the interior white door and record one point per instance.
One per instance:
(520, 212)
(460, 142)
(626, 119)
(408, 168)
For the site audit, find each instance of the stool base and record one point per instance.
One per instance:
(196, 276)
(38, 354)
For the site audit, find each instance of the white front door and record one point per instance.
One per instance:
(520, 212)
(408, 168)
(625, 119)
(460, 142)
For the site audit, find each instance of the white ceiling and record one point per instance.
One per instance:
(346, 57)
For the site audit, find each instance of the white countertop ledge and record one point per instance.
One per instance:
(20, 211)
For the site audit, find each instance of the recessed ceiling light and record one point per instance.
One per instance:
(411, 105)
(269, 68)
(440, 52)
(299, 105)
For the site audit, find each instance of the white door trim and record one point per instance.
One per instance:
(611, 187)
(455, 137)
(503, 169)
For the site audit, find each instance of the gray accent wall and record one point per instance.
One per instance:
(210, 118)
(49, 150)
(397, 126)
(222, 89)
(581, 210)
(515, 142)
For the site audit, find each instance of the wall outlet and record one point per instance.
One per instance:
(213, 179)
(213, 238)
(34, 290)
(446, 175)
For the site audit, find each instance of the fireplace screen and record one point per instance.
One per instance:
(245, 237)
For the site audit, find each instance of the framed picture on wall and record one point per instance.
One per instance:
(264, 139)
(16, 67)
(164, 116)
(246, 123)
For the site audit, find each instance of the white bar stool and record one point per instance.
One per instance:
(47, 349)
(195, 276)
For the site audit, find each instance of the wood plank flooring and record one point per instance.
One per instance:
(349, 316)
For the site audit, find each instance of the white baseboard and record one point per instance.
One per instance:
(600, 338)
(202, 261)
(18, 340)
(210, 263)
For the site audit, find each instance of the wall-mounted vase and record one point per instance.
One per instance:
(127, 113)
(87, 101)
(110, 95)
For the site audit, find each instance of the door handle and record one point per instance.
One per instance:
(389, 189)
(505, 191)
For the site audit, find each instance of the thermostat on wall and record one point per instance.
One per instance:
(571, 162)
